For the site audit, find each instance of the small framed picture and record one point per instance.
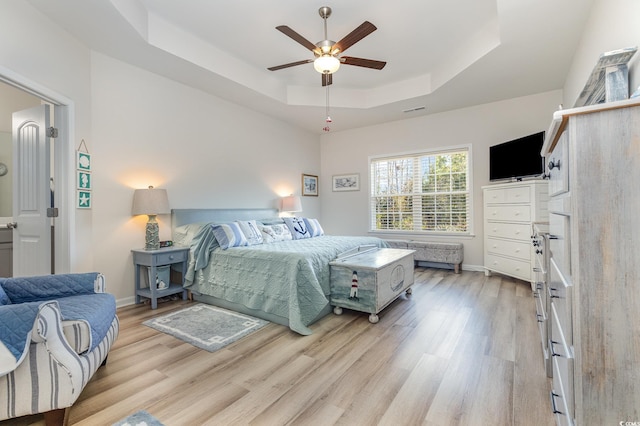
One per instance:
(310, 185)
(346, 182)
(84, 180)
(84, 199)
(83, 161)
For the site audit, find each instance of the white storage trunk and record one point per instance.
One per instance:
(368, 281)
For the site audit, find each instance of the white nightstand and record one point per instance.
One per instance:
(148, 261)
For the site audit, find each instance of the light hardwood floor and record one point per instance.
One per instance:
(462, 350)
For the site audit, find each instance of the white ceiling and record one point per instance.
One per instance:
(440, 54)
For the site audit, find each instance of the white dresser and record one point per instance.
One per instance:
(510, 209)
(593, 156)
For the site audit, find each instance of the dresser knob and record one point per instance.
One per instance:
(554, 165)
(170, 257)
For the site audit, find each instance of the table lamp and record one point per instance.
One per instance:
(151, 202)
(291, 203)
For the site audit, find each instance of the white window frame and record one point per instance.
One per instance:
(427, 152)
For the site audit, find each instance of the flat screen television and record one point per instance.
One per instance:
(517, 159)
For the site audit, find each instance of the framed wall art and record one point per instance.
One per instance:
(84, 180)
(349, 182)
(310, 185)
(84, 199)
(83, 161)
(83, 177)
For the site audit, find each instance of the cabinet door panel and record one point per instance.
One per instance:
(558, 167)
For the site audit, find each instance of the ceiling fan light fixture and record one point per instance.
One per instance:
(326, 64)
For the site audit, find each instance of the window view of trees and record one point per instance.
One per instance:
(421, 192)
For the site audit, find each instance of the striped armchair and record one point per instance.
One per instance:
(55, 332)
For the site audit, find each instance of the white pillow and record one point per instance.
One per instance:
(298, 227)
(314, 227)
(251, 231)
(229, 235)
(273, 233)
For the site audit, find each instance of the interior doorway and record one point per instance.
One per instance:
(18, 93)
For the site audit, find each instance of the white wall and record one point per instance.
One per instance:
(482, 126)
(38, 51)
(207, 153)
(612, 25)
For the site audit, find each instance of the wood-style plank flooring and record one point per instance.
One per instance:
(464, 349)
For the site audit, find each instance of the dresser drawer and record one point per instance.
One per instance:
(541, 313)
(515, 268)
(561, 296)
(170, 258)
(562, 391)
(563, 364)
(512, 213)
(515, 231)
(494, 196)
(518, 194)
(560, 242)
(558, 167)
(520, 250)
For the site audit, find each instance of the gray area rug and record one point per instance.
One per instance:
(140, 418)
(205, 326)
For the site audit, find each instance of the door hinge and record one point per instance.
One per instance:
(52, 132)
(52, 212)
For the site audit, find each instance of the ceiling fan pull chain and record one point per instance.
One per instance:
(328, 119)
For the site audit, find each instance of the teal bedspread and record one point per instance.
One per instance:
(287, 278)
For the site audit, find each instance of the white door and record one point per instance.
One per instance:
(31, 192)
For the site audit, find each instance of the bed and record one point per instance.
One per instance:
(286, 282)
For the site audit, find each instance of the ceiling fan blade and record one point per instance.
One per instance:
(291, 64)
(354, 36)
(359, 62)
(296, 37)
(327, 79)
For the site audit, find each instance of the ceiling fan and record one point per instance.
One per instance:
(326, 52)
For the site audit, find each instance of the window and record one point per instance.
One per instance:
(422, 192)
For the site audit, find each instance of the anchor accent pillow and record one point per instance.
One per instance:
(298, 227)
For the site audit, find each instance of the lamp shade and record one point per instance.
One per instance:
(150, 201)
(291, 203)
(326, 64)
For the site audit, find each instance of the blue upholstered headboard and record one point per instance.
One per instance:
(181, 217)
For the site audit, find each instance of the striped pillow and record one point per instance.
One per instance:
(229, 235)
(314, 227)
